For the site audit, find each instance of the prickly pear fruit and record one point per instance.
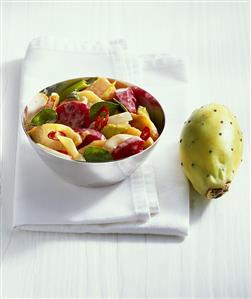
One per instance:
(211, 149)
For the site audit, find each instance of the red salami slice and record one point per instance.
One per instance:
(128, 148)
(89, 135)
(145, 99)
(126, 97)
(143, 96)
(73, 114)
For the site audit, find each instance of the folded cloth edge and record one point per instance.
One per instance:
(27, 226)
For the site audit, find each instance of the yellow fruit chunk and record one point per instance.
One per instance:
(96, 143)
(148, 142)
(53, 100)
(143, 111)
(70, 147)
(110, 92)
(141, 121)
(110, 129)
(40, 135)
(101, 88)
(91, 97)
(132, 131)
(136, 132)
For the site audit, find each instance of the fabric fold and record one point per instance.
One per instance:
(154, 200)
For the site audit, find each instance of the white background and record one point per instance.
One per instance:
(214, 260)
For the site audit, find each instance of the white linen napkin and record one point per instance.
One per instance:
(44, 202)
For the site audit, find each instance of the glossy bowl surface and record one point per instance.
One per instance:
(99, 174)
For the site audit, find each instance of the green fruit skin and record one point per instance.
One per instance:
(111, 130)
(211, 146)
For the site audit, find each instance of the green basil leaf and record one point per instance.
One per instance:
(112, 107)
(46, 115)
(90, 80)
(80, 85)
(123, 107)
(97, 154)
(59, 87)
(73, 96)
(65, 88)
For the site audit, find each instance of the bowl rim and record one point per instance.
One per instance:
(84, 162)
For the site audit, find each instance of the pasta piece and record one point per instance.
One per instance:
(70, 148)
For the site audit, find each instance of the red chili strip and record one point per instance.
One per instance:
(145, 133)
(53, 134)
(102, 118)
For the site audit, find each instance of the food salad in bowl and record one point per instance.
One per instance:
(85, 128)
